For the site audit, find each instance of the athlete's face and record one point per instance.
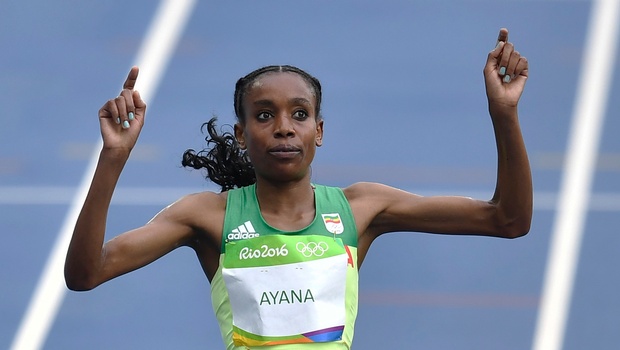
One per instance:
(281, 130)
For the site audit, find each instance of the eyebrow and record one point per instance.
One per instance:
(296, 100)
(301, 101)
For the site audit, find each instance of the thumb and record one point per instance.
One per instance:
(497, 51)
(493, 57)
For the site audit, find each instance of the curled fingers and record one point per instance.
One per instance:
(511, 63)
(120, 110)
(123, 109)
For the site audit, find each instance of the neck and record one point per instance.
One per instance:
(287, 206)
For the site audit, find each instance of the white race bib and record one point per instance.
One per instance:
(286, 289)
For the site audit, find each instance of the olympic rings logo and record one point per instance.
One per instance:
(312, 248)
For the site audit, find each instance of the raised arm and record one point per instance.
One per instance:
(506, 73)
(89, 262)
(379, 209)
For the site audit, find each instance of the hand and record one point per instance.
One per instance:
(121, 118)
(505, 73)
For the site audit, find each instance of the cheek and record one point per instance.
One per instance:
(311, 148)
(252, 140)
(252, 147)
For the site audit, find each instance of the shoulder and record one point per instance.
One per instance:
(200, 200)
(370, 201)
(197, 210)
(372, 191)
(391, 208)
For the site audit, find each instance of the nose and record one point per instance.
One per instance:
(283, 127)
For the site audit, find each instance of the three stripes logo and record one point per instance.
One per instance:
(243, 231)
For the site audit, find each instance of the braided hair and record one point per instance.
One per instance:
(227, 165)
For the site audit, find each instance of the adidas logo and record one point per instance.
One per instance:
(243, 231)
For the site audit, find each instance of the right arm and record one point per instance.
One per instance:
(89, 261)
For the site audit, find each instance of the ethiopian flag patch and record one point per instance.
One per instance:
(333, 224)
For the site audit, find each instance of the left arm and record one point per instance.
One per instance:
(379, 209)
(513, 196)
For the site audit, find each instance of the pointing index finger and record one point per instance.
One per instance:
(132, 77)
(503, 35)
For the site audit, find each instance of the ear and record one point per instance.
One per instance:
(239, 135)
(319, 133)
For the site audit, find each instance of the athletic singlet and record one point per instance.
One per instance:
(281, 290)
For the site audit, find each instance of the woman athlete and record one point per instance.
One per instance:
(282, 254)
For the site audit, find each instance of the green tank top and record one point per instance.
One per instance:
(281, 290)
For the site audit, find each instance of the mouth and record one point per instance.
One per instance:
(284, 151)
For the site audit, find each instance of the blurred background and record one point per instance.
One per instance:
(404, 104)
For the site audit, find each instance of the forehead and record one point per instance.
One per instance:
(280, 84)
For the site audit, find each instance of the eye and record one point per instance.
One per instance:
(263, 116)
(300, 115)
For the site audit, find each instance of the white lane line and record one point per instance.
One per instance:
(162, 196)
(574, 196)
(155, 52)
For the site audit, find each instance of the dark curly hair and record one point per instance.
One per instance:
(228, 165)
